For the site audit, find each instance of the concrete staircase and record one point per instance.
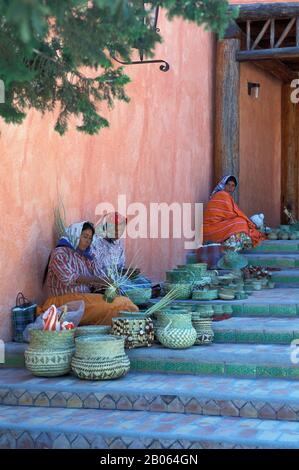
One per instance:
(240, 392)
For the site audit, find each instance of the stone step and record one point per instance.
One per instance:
(59, 428)
(231, 360)
(203, 395)
(274, 260)
(257, 330)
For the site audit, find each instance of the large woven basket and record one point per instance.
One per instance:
(136, 328)
(50, 352)
(100, 357)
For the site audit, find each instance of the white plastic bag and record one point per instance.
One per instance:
(75, 311)
(258, 220)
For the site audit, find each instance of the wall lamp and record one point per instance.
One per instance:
(253, 89)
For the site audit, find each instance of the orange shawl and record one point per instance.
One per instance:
(223, 218)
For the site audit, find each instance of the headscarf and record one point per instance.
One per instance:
(71, 239)
(221, 185)
(106, 228)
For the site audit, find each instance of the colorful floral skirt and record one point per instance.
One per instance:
(238, 241)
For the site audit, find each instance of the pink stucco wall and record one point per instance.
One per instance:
(158, 149)
(260, 145)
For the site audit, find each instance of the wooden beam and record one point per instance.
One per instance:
(297, 32)
(248, 36)
(264, 11)
(232, 31)
(286, 32)
(289, 151)
(277, 69)
(272, 33)
(261, 33)
(261, 54)
(226, 157)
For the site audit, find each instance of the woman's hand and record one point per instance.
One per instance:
(93, 281)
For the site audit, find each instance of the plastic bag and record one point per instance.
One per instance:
(75, 311)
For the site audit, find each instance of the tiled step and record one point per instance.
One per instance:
(274, 260)
(230, 360)
(276, 246)
(202, 395)
(243, 360)
(283, 302)
(30, 427)
(286, 278)
(257, 330)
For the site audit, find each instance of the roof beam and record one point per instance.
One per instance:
(264, 11)
(275, 53)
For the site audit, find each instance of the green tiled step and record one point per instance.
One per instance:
(253, 360)
(257, 309)
(269, 246)
(276, 246)
(58, 428)
(286, 277)
(233, 360)
(256, 330)
(14, 355)
(206, 395)
(274, 260)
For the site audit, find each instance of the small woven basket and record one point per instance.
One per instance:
(183, 290)
(139, 295)
(136, 328)
(92, 330)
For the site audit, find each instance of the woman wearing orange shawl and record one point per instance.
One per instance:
(225, 223)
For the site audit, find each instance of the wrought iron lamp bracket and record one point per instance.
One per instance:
(164, 67)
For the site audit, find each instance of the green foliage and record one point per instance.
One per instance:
(59, 53)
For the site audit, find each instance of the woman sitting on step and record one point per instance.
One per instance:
(225, 223)
(71, 274)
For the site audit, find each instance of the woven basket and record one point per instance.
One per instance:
(47, 363)
(205, 294)
(204, 331)
(137, 329)
(178, 333)
(100, 357)
(139, 295)
(198, 268)
(50, 352)
(203, 311)
(51, 340)
(92, 330)
(183, 290)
